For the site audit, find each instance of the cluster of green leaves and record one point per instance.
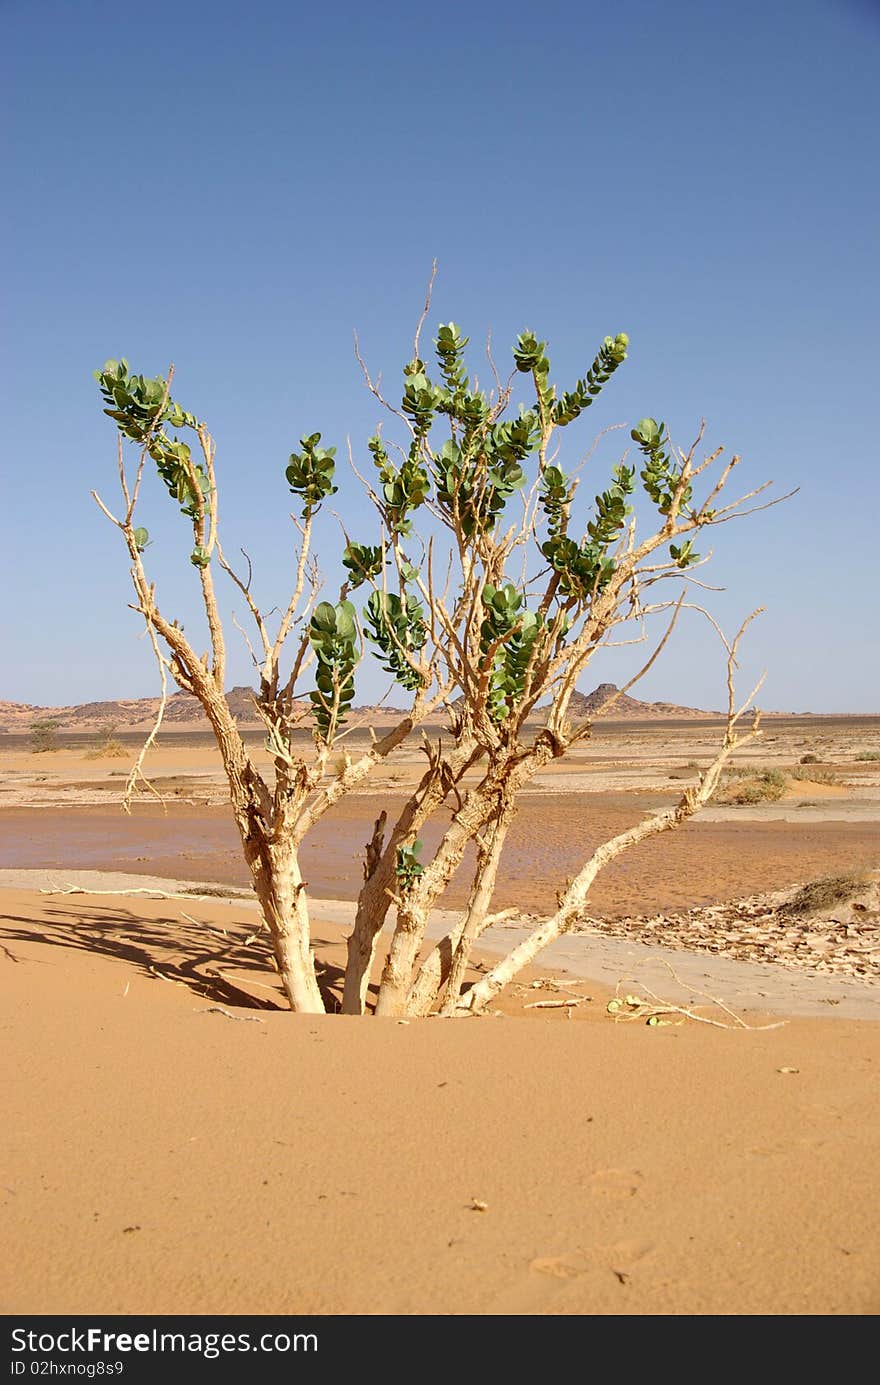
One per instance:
(186, 480)
(310, 473)
(421, 398)
(530, 357)
(466, 406)
(139, 407)
(661, 474)
(409, 867)
(397, 626)
(610, 355)
(136, 403)
(556, 496)
(333, 635)
(478, 492)
(362, 562)
(404, 488)
(449, 345)
(612, 508)
(661, 477)
(508, 620)
(584, 568)
(684, 554)
(479, 468)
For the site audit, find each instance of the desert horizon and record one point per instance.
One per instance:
(182, 712)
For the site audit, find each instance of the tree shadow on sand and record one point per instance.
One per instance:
(171, 949)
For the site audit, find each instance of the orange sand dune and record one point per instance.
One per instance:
(163, 1155)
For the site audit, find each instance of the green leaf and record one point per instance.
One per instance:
(324, 617)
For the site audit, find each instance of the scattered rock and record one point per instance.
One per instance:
(836, 938)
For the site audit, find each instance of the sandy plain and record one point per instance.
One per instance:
(175, 1142)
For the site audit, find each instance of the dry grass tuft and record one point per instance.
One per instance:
(112, 749)
(826, 892)
(106, 744)
(814, 776)
(752, 786)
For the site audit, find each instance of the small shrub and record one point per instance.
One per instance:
(44, 736)
(826, 892)
(815, 776)
(755, 786)
(809, 759)
(106, 743)
(872, 755)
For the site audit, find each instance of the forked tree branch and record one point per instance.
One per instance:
(574, 897)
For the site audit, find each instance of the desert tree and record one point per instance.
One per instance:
(486, 588)
(44, 735)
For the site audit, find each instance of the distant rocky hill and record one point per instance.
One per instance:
(182, 711)
(627, 708)
(126, 713)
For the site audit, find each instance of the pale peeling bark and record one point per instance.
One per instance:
(271, 853)
(380, 881)
(481, 897)
(363, 943)
(481, 806)
(446, 963)
(281, 892)
(371, 909)
(434, 971)
(572, 904)
(274, 864)
(415, 906)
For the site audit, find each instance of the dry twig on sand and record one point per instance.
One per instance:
(655, 1009)
(556, 1004)
(152, 894)
(219, 1010)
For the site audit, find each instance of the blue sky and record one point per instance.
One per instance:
(237, 187)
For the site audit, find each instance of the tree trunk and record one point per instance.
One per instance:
(450, 955)
(282, 895)
(413, 911)
(270, 849)
(571, 906)
(500, 785)
(488, 861)
(374, 899)
(362, 944)
(434, 971)
(367, 925)
(372, 908)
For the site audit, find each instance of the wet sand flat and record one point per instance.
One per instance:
(553, 834)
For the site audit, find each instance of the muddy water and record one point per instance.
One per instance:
(701, 863)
